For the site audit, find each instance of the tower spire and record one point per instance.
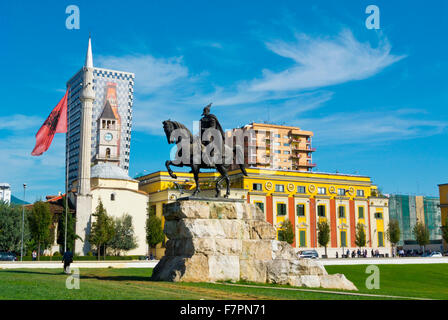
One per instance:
(89, 56)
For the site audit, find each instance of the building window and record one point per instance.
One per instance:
(277, 151)
(361, 212)
(321, 190)
(300, 210)
(260, 205)
(378, 215)
(112, 197)
(360, 193)
(302, 238)
(257, 187)
(301, 189)
(341, 211)
(107, 153)
(277, 135)
(341, 192)
(279, 188)
(277, 144)
(343, 239)
(281, 209)
(321, 210)
(286, 152)
(286, 144)
(280, 235)
(380, 239)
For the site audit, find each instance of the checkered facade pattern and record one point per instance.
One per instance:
(125, 97)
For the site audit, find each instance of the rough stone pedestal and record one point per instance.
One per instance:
(229, 240)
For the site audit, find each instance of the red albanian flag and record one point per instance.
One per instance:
(55, 123)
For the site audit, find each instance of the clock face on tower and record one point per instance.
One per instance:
(108, 136)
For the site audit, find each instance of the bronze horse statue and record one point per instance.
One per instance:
(169, 126)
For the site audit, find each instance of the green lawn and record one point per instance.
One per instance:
(427, 281)
(412, 280)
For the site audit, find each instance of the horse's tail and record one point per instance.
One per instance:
(243, 169)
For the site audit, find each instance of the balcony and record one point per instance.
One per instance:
(304, 165)
(301, 149)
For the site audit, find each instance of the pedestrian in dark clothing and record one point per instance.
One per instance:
(67, 259)
(337, 255)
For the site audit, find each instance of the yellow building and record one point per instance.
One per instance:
(305, 198)
(278, 147)
(443, 192)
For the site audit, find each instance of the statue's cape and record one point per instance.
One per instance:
(218, 125)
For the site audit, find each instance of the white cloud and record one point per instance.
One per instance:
(166, 88)
(42, 174)
(18, 122)
(322, 62)
(372, 127)
(151, 73)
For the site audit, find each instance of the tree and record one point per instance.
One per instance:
(40, 222)
(154, 231)
(11, 227)
(393, 233)
(286, 232)
(102, 231)
(124, 239)
(421, 234)
(71, 235)
(323, 234)
(360, 238)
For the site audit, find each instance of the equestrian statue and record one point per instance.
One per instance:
(190, 147)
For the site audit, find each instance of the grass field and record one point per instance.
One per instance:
(424, 281)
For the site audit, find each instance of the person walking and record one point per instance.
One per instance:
(67, 259)
(34, 255)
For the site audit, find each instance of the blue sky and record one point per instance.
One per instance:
(375, 99)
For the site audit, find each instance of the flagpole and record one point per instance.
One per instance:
(67, 162)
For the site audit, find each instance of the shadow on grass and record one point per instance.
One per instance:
(84, 276)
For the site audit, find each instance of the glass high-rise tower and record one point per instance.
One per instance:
(104, 80)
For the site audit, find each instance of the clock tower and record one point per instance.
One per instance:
(108, 136)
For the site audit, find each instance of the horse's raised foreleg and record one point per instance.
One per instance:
(168, 163)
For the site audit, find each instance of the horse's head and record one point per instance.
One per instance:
(168, 127)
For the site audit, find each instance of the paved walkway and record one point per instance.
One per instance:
(407, 260)
(152, 263)
(79, 264)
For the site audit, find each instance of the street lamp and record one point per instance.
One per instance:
(23, 222)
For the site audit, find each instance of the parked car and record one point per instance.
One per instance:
(309, 254)
(435, 254)
(7, 256)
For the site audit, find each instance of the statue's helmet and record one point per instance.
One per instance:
(206, 110)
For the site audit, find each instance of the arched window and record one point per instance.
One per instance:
(107, 153)
(112, 197)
